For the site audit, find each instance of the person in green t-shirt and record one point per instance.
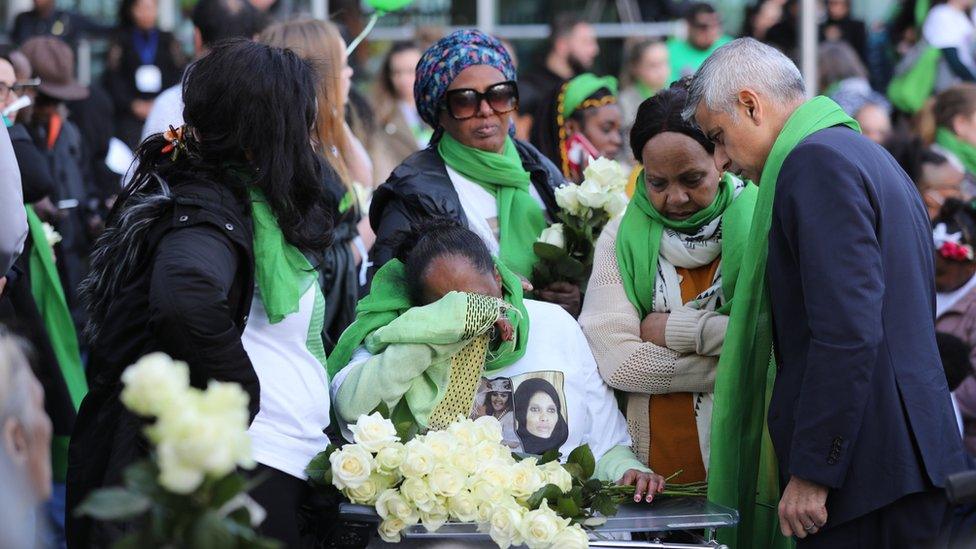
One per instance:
(705, 35)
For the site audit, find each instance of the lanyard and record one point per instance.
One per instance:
(146, 44)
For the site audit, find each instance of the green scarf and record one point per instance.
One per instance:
(284, 274)
(581, 87)
(642, 227)
(743, 472)
(49, 296)
(965, 152)
(388, 299)
(520, 218)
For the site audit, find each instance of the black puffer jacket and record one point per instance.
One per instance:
(174, 273)
(420, 188)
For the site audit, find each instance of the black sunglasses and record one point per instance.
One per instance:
(464, 103)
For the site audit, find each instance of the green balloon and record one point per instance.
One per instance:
(387, 6)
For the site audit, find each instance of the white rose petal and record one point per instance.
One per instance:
(442, 444)
(505, 525)
(418, 459)
(446, 481)
(592, 195)
(463, 507)
(616, 204)
(392, 504)
(573, 537)
(567, 198)
(367, 492)
(608, 174)
(552, 235)
(389, 459)
(419, 494)
(435, 518)
(526, 478)
(540, 527)
(558, 475)
(154, 383)
(373, 432)
(488, 429)
(351, 466)
(50, 234)
(390, 529)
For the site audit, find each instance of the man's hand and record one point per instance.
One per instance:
(653, 328)
(803, 509)
(564, 294)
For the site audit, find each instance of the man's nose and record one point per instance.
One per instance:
(722, 160)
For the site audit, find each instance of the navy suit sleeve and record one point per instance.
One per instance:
(830, 226)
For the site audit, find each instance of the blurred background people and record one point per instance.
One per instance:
(705, 35)
(646, 72)
(840, 26)
(399, 131)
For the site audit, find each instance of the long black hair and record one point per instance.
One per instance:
(430, 239)
(662, 113)
(125, 19)
(249, 109)
(532, 444)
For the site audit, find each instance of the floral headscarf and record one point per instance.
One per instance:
(443, 61)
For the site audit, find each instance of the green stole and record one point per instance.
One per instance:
(388, 299)
(642, 227)
(520, 218)
(743, 472)
(963, 150)
(284, 274)
(51, 304)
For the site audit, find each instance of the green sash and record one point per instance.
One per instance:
(388, 299)
(909, 90)
(963, 150)
(743, 472)
(641, 229)
(520, 218)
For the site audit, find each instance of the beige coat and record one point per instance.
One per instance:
(640, 368)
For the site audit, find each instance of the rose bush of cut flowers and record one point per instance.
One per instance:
(565, 249)
(189, 493)
(466, 474)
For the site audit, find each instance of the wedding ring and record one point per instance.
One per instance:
(810, 528)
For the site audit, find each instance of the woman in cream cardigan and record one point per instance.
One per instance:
(655, 309)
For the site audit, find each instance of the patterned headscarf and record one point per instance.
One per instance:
(443, 61)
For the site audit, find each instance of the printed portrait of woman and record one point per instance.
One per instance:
(494, 398)
(539, 416)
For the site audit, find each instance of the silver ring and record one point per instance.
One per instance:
(810, 528)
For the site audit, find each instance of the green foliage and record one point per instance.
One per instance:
(583, 457)
(114, 504)
(319, 470)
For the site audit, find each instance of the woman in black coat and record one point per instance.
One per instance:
(142, 62)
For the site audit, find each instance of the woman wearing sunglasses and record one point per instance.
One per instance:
(473, 172)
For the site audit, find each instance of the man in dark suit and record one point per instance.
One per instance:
(860, 415)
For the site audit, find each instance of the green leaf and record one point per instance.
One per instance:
(583, 457)
(226, 488)
(383, 409)
(604, 505)
(113, 504)
(548, 252)
(567, 507)
(140, 477)
(570, 268)
(406, 430)
(575, 471)
(551, 455)
(592, 486)
(135, 540)
(320, 466)
(549, 492)
(210, 531)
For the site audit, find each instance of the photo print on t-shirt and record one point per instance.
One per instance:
(530, 407)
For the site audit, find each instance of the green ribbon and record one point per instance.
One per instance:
(642, 227)
(520, 218)
(743, 472)
(583, 86)
(49, 296)
(963, 150)
(388, 299)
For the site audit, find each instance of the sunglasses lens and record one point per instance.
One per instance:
(462, 104)
(502, 98)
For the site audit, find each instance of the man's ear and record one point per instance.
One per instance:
(14, 441)
(749, 103)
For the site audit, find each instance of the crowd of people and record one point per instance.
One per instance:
(337, 244)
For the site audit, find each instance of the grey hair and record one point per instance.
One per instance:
(743, 63)
(14, 378)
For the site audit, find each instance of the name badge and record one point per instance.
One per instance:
(149, 79)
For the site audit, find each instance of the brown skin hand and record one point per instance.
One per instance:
(456, 273)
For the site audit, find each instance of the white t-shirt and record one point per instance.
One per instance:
(947, 27)
(167, 110)
(288, 430)
(481, 208)
(556, 382)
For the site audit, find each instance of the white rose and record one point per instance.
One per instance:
(567, 198)
(526, 478)
(464, 432)
(418, 459)
(418, 493)
(573, 537)
(485, 492)
(351, 466)
(435, 518)
(606, 173)
(154, 383)
(392, 504)
(552, 235)
(390, 529)
(465, 461)
(174, 475)
(496, 472)
(505, 524)
(50, 234)
(558, 475)
(592, 195)
(463, 507)
(367, 492)
(540, 527)
(488, 428)
(442, 444)
(616, 204)
(446, 481)
(389, 459)
(373, 432)
(486, 451)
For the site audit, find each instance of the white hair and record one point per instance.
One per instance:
(743, 63)
(14, 379)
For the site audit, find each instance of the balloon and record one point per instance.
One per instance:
(387, 6)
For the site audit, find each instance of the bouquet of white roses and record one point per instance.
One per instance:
(189, 493)
(565, 249)
(466, 474)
